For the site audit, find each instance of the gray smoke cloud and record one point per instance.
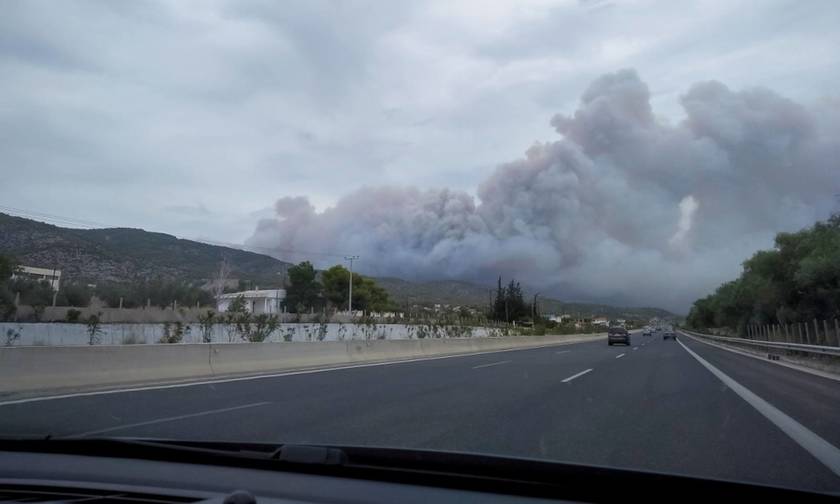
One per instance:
(624, 207)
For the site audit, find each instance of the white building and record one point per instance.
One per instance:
(53, 276)
(601, 321)
(256, 301)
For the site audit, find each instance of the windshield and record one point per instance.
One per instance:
(597, 232)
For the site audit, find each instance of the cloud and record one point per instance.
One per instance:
(688, 206)
(621, 207)
(116, 112)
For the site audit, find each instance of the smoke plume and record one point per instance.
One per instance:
(623, 207)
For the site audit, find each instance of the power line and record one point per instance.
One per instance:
(52, 217)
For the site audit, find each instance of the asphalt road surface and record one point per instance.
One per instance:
(652, 405)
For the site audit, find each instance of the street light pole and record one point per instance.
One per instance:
(283, 283)
(350, 294)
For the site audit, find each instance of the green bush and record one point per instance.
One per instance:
(72, 315)
(173, 333)
(94, 331)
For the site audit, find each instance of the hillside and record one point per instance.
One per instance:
(124, 254)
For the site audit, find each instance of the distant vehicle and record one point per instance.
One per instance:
(618, 335)
(669, 334)
(647, 331)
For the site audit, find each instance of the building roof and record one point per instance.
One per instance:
(250, 294)
(32, 270)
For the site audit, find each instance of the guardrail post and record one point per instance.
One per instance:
(816, 332)
(837, 332)
(807, 336)
(787, 333)
(825, 332)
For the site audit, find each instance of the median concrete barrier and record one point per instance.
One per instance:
(27, 369)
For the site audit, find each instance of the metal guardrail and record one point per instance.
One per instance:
(799, 347)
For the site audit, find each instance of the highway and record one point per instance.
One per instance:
(652, 405)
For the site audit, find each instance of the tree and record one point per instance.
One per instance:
(159, 291)
(7, 267)
(304, 291)
(32, 292)
(237, 305)
(74, 294)
(517, 309)
(367, 295)
(797, 281)
(336, 282)
(509, 305)
(219, 282)
(7, 296)
(499, 313)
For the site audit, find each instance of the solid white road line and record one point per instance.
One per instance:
(563, 351)
(213, 381)
(763, 358)
(168, 419)
(491, 364)
(821, 449)
(619, 356)
(567, 380)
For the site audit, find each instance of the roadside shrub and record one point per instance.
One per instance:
(172, 333)
(12, 336)
(206, 323)
(94, 331)
(73, 315)
(262, 327)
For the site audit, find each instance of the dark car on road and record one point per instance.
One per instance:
(669, 335)
(618, 335)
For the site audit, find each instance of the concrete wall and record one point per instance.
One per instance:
(47, 334)
(25, 369)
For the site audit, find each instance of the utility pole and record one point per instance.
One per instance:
(350, 294)
(534, 309)
(283, 283)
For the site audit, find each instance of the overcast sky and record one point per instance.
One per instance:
(194, 118)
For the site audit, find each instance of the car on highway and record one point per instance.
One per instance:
(618, 335)
(669, 335)
(647, 331)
